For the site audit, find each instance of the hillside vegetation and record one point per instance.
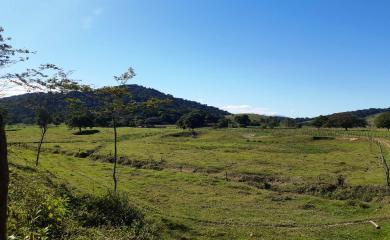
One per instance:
(21, 108)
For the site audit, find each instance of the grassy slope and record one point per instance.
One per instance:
(201, 204)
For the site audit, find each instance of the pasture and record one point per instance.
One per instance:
(236, 183)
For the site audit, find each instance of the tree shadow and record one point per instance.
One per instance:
(87, 132)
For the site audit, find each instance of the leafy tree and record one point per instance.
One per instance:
(242, 120)
(320, 121)
(383, 121)
(79, 117)
(191, 121)
(80, 121)
(346, 121)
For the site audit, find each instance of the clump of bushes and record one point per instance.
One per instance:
(40, 210)
(35, 212)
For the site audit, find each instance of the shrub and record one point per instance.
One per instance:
(41, 210)
(47, 218)
(109, 210)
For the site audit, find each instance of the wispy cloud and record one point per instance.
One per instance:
(88, 21)
(248, 109)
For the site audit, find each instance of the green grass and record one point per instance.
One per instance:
(269, 193)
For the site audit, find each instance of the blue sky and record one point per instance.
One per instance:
(284, 57)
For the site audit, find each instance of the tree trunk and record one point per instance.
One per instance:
(4, 180)
(115, 155)
(80, 130)
(43, 132)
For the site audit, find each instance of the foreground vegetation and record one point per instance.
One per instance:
(222, 184)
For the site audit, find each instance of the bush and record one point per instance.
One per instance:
(41, 210)
(109, 210)
(47, 218)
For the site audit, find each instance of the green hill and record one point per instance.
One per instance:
(20, 107)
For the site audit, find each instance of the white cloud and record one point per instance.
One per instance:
(248, 109)
(88, 20)
(11, 91)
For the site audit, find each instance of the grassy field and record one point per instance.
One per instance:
(228, 183)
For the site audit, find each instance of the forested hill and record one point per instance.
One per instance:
(369, 112)
(21, 110)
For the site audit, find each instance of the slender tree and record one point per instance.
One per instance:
(114, 103)
(48, 78)
(43, 121)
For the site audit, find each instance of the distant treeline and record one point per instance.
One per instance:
(198, 119)
(21, 108)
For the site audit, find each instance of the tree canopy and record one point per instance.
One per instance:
(383, 121)
(346, 121)
(320, 121)
(242, 120)
(192, 120)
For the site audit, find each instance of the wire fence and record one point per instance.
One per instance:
(324, 132)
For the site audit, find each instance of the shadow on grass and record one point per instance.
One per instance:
(183, 134)
(87, 132)
(12, 130)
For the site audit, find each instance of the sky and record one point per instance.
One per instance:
(297, 58)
